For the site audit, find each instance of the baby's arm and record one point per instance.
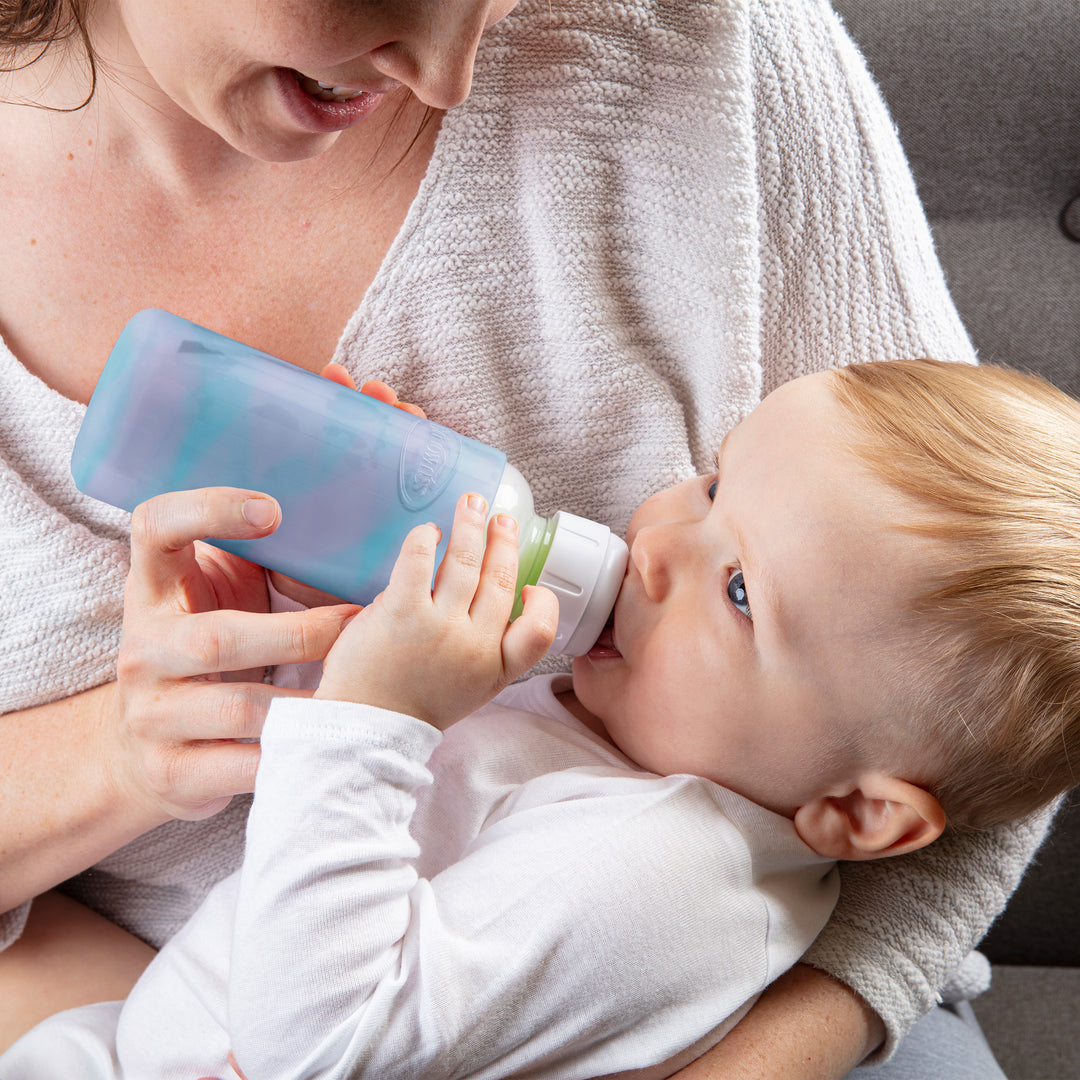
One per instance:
(345, 959)
(433, 652)
(525, 954)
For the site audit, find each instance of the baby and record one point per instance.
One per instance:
(858, 631)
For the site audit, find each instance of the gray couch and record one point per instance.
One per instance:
(986, 98)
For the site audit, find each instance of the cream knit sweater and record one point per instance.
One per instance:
(648, 213)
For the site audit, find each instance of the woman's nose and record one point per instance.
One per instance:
(435, 58)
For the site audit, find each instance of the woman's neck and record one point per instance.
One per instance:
(120, 206)
(115, 107)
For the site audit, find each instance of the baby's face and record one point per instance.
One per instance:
(761, 610)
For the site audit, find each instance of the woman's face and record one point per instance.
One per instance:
(251, 70)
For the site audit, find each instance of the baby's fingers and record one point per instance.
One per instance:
(494, 599)
(459, 571)
(531, 634)
(410, 580)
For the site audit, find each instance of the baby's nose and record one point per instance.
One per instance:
(651, 553)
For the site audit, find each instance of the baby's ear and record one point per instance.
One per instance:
(881, 816)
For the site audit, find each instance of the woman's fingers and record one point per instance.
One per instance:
(381, 391)
(337, 373)
(207, 776)
(182, 733)
(164, 530)
(206, 711)
(374, 388)
(198, 747)
(217, 711)
(179, 755)
(214, 642)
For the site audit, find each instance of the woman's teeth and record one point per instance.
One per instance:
(326, 91)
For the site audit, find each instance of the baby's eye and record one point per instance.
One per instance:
(711, 490)
(736, 590)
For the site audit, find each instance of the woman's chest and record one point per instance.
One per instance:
(281, 267)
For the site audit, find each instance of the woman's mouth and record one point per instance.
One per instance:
(322, 107)
(326, 91)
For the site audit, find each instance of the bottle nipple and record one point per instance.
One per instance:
(585, 569)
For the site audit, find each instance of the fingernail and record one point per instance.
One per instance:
(260, 513)
(505, 521)
(477, 503)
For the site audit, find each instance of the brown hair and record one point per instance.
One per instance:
(994, 457)
(29, 27)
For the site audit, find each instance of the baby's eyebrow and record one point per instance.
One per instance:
(763, 595)
(760, 583)
(720, 449)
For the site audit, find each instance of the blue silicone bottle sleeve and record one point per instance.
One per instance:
(179, 406)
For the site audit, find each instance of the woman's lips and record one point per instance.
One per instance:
(319, 108)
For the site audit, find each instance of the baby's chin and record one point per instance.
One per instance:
(573, 704)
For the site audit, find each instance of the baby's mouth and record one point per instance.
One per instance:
(605, 644)
(326, 91)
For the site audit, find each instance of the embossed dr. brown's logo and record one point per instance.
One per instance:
(428, 458)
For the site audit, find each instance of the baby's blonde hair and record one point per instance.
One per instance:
(994, 457)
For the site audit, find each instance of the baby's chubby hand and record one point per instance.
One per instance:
(440, 653)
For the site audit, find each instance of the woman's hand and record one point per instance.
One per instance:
(440, 653)
(375, 388)
(174, 743)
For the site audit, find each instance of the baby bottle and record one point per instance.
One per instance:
(179, 407)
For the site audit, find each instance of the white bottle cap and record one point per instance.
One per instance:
(584, 568)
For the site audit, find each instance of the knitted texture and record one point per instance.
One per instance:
(65, 556)
(951, 891)
(567, 285)
(647, 213)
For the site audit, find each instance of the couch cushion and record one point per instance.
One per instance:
(986, 97)
(1029, 1018)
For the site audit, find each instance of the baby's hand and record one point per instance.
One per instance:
(439, 654)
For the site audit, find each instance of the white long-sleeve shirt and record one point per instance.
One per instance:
(512, 898)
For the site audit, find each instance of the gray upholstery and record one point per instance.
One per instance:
(986, 98)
